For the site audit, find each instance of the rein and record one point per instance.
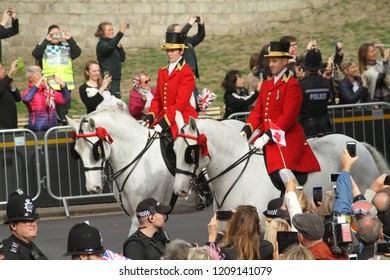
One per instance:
(202, 141)
(102, 134)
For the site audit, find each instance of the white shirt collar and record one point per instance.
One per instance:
(276, 79)
(172, 65)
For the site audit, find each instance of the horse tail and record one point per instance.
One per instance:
(379, 159)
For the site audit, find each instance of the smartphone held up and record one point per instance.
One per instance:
(351, 148)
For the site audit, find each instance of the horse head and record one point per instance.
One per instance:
(93, 145)
(191, 155)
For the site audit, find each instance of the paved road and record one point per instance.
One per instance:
(114, 226)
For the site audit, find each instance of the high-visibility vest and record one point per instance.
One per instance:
(57, 60)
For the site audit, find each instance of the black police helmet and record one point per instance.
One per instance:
(20, 207)
(84, 239)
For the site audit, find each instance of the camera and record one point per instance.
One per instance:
(333, 177)
(387, 180)
(382, 248)
(337, 234)
(197, 19)
(351, 148)
(286, 239)
(317, 195)
(223, 215)
(55, 35)
(127, 25)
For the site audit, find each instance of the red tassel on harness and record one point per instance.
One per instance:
(202, 142)
(102, 134)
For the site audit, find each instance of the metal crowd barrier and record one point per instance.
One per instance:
(19, 163)
(65, 178)
(365, 122)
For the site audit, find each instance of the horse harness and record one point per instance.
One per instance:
(191, 156)
(99, 154)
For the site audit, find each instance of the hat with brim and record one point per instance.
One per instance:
(309, 225)
(150, 206)
(279, 49)
(313, 60)
(174, 41)
(273, 209)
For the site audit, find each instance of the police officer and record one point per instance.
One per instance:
(317, 94)
(148, 242)
(23, 224)
(84, 242)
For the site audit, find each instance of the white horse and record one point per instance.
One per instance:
(248, 182)
(147, 174)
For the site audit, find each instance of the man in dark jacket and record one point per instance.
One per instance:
(317, 94)
(148, 242)
(23, 223)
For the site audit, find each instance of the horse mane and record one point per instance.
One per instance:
(379, 159)
(227, 136)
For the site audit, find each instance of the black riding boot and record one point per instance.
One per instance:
(204, 194)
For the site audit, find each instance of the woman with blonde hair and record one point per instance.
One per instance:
(274, 226)
(298, 253)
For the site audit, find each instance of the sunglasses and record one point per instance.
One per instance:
(147, 81)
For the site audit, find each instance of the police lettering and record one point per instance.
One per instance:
(318, 96)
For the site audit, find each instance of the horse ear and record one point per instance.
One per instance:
(179, 120)
(192, 123)
(75, 125)
(91, 124)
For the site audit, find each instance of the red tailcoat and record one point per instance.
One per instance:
(281, 103)
(173, 93)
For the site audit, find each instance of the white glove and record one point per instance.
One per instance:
(146, 124)
(243, 134)
(261, 141)
(158, 128)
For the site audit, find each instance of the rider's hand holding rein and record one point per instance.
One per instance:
(261, 141)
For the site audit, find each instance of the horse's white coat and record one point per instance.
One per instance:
(150, 177)
(226, 145)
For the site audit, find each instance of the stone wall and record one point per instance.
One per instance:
(148, 19)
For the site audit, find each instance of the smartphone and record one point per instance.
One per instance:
(56, 35)
(197, 19)
(106, 73)
(382, 248)
(351, 148)
(300, 188)
(286, 239)
(333, 177)
(352, 257)
(317, 195)
(50, 77)
(224, 215)
(387, 180)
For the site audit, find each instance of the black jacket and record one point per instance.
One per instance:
(8, 32)
(140, 247)
(8, 110)
(191, 42)
(16, 249)
(109, 56)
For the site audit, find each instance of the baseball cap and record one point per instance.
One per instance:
(151, 206)
(361, 208)
(309, 225)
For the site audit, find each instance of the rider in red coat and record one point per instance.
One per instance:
(175, 84)
(279, 102)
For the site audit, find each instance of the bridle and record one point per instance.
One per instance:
(202, 143)
(103, 135)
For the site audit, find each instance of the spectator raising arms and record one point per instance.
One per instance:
(6, 32)
(352, 88)
(41, 99)
(110, 53)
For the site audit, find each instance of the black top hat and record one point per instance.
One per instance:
(151, 206)
(84, 239)
(279, 49)
(313, 60)
(174, 40)
(20, 207)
